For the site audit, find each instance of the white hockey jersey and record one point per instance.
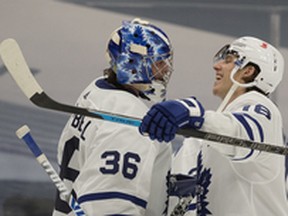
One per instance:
(111, 168)
(233, 181)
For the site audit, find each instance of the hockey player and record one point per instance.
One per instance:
(222, 180)
(111, 168)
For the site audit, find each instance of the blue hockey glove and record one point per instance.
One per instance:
(163, 119)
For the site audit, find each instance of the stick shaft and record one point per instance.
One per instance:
(24, 134)
(14, 61)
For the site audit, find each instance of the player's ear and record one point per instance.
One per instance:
(249, 73)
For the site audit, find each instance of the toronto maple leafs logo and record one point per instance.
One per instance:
(203, 181)
(192, 190)
(203, 176)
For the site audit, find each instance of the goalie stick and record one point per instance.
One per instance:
(24, 134)
(15, 63)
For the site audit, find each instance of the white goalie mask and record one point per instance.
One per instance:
(252, 50)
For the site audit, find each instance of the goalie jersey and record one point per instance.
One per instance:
(230, 181)
(111, 168)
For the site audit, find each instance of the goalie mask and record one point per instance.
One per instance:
(141, 55)
(252, 50)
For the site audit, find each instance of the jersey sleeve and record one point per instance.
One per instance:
(258, 121)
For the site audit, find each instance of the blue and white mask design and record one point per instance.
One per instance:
(141, 53)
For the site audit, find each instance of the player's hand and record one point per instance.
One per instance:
(163, 119)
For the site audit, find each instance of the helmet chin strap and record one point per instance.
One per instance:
(229, 151)
(227, 97)
(231, 90)
(245, 85)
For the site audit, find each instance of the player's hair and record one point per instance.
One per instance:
(111, 78)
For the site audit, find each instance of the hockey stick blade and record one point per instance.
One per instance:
(24, 134)
(17, 66)
(15, 63)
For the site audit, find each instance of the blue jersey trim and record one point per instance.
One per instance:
(260, 129)
(247, 127)
(192, 207)
(103, 84)
(242, 120)
(112, 195)
(246, 157)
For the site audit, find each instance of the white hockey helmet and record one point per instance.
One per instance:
(253, 50)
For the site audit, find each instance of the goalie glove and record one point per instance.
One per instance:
(163, 119)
